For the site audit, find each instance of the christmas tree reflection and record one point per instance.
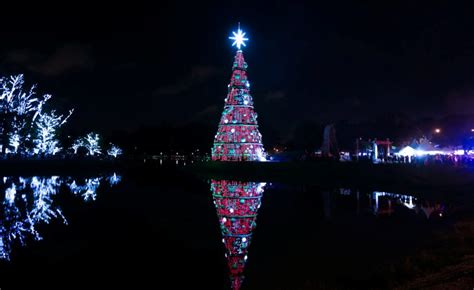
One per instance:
(28, 202)
(237, 204)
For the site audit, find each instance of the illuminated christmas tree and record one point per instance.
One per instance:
(237, 204)
(238, 137)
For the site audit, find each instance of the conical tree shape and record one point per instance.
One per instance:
(237, 204)
(238, 137)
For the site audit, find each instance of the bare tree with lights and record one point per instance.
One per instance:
(114, 151)
(90, 142)
(19, 107)
(47, 124)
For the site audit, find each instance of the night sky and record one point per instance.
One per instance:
(123, 66)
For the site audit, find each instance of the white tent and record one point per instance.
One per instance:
(407, 151)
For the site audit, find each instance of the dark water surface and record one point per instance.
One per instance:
(167, 230)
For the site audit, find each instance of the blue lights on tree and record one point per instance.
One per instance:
(27, 128)
(90, 142)
(114, 151)
(47, 124)
(19, 108)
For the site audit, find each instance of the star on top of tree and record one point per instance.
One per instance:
(238, 38)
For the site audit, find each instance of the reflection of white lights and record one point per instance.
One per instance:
(245, 257)
(114, 179)
(20, 216)
(231, 210)
(400, 198)
(244, 239)
(224, 220)
(91, 187)
(409, 204)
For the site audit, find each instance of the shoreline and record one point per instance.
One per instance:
(396, 177)
(325, 174)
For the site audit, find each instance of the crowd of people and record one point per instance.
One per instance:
(426, 159)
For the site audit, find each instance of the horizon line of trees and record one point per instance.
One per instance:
(29, 128)
(303, 135)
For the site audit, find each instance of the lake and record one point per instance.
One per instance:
(164, 229)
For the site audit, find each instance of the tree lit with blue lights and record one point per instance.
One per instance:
(19, 108)
(46, 141)
(114, 151)
(90, 142)
(29, 128)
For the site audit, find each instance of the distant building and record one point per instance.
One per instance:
(329, 147)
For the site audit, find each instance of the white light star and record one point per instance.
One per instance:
(238, 38)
